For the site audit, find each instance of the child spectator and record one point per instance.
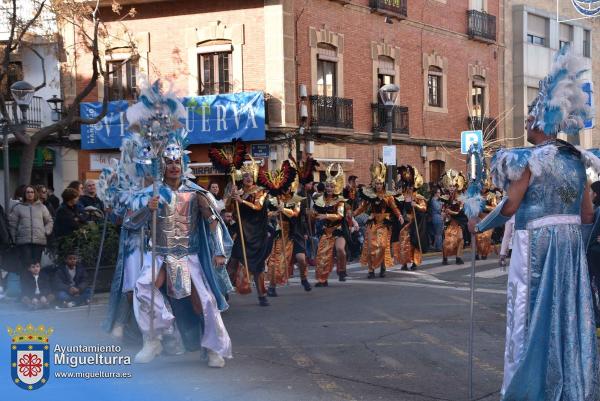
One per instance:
(35, 288)
(71, 284)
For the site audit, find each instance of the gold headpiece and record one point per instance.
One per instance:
(378, 171)
(410, 177)
(453, 178)
(250, 168)
(337, 180)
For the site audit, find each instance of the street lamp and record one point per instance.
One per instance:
(388, 94)
(56, 104)
(22, 93)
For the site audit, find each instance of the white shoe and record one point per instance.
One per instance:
(117, 332)
(215, 360)
(71, 304)
(150, 349)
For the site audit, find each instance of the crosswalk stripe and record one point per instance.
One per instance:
(492, 273)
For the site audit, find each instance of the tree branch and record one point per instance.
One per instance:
(43, 84)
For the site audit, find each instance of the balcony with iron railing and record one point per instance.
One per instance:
(485, 124)
(399, 119)
(34, 113)
(330, 111)
(392, 8)
(481, 26)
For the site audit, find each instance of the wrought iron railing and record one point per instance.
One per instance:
(485, 124)
(481, 25)
(395, 8)
(399, 118)
(330, 111)
(34, 113)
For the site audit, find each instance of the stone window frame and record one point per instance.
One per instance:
(214, 31)
(117, 51)
(435, 60)
(123, 54)
(213, 48)
(336, 40)
(478, 76)
(392, 52)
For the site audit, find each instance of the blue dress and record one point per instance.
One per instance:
(551, 351)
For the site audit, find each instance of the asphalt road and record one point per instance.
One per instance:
(403, 337)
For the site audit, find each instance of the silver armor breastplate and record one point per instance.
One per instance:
(177, 225)
(176, 237)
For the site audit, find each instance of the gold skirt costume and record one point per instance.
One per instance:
(484, 243)
(324, 258)
(404, 251)
(453, 240)
(376, 249)
(277, 266)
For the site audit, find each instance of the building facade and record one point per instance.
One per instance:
(53, 164)
(320, 64)
(534, 32)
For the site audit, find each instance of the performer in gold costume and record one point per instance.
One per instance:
(253, 211)
(484, 239)
(454, 183)
(379, 205)
(329, 208)
(411, 240)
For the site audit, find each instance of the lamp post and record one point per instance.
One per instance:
(22, 93)
(56, 105)
(388, 94)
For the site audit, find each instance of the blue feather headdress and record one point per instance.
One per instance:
(157, 119)
(561, 104)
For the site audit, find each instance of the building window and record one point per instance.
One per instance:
(587, 43)
(478, 101)
(537, 29)
(215, 74)
(122, 79)
(13, 74)
(565, 35)
(385, 72)
(326, 70)
(434, 83)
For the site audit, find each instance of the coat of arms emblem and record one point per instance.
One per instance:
(30, 356)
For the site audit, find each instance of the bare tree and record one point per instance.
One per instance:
(90, 31)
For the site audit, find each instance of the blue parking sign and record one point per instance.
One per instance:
(467, 138)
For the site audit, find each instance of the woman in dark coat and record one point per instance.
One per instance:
(68, 216)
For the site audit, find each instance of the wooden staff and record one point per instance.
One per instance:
(241, 229)
(416, 227)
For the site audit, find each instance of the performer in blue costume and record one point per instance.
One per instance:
(192, 242)
(551, 351)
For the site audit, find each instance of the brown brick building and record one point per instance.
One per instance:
(444, 55)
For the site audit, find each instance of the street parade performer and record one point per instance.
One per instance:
(379, 205)
(191, 239)
(286, 206)
(454, 183)
(329, 208)
(412, 238)
(253, 213)
(551, 351)
(484, 240)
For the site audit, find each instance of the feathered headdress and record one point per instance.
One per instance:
(453, 178)
(561, 104)
(155, 119)
(337, 180)
(229, 157)
(305, 169)
(410, 177)
(251, 168)
(277, 181)
(378, 171)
